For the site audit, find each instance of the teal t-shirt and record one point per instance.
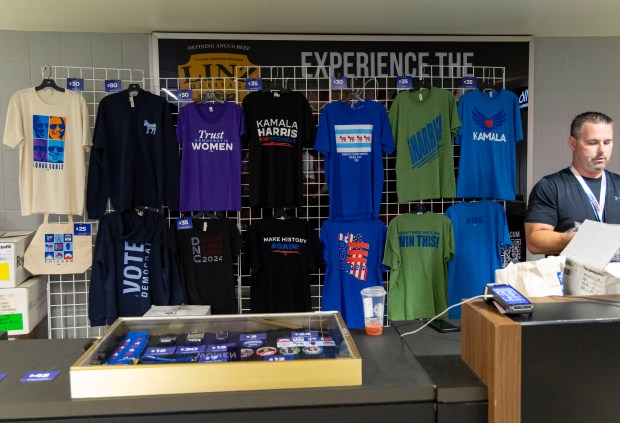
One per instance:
(423, 124)
(417, 250)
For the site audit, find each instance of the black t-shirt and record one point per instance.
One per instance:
(278, 126)
(559, 200)
(204, 253)
(282, 255)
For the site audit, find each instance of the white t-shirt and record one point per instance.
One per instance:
(52, 131)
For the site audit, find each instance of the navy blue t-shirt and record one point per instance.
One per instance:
(558, 200)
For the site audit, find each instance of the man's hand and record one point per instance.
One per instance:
(540, 238)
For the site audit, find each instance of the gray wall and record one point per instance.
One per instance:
(572, 75)
(21, 56)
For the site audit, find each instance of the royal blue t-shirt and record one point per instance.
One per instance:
(353, 252)
(352, 138)
(491, 128)
(480, 230)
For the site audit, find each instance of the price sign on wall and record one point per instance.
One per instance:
(113, 85)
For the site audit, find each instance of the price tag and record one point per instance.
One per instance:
(252, 336)
(305, 334)
(159, 351)
(184, 223)
(404, 82)
(113, 86)
(213, 358)
(339, 83)
(81, 229)
(39, 376)
(185, 95)
(75, 84)
(253, 84)
(469, 82)
(279, 358)
(219, 347)
(191, 349)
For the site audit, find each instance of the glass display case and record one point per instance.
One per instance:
(174, 355)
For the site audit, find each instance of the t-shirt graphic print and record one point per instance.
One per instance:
(353, 141)
(48, 143)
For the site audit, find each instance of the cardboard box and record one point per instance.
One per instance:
(22, 308)
(588, 270)
(13, 245)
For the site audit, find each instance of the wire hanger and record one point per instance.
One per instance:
(422, 82)
(133, 88)
(211, 97)
(487, 85)
(273, 83)
(280, 213)
(419, 208)
(207, 215)
(49, 82)
(354, 95)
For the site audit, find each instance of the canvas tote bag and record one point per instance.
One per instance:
(60, 248)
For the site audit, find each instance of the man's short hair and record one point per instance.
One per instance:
(588, 117)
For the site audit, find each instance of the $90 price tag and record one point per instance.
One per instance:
(113, 86)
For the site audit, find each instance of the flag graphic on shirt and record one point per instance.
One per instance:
(353, 139)
(357, 255)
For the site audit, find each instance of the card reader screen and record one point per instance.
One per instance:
(510, 295)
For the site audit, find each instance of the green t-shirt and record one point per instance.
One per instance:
(417, 249)
(423, 124)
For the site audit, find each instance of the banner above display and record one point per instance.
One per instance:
(192, 56)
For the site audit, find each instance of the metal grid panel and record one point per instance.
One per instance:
(68, 294)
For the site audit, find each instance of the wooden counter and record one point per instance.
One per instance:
(560, 364)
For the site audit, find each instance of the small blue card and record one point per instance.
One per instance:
(252, 336)
(253, 84)
(404, 82)
(304, 334)
(185, 95)
(184, 223)
(187, 349)
(469, 82)
(113, 86)
(159, 351)
(82, 229)
(279, 358)
(75, 84)
(39, 376)
(339, 82)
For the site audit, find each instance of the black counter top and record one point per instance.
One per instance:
(440, 355)
(390, 374)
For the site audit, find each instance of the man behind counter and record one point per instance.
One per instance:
(585, 190)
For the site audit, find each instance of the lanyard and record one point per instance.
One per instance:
(598, 208)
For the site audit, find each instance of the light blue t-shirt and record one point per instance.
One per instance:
(480, 231)
(352, 138)
(488, 138)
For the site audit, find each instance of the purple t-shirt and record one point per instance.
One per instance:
(210, 135)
